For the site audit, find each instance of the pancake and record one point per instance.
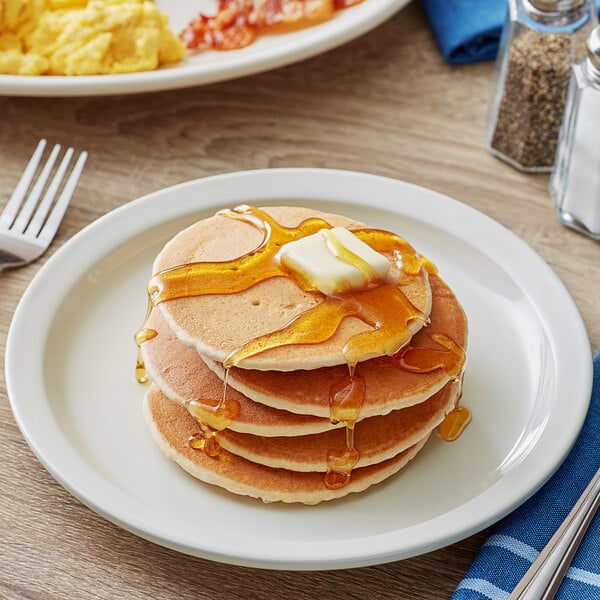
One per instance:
(183, 376)
(171, 426)
(387, 386)
(218, 324)
(220, 297)
(375, 439)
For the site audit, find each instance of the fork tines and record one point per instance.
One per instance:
(40, 216)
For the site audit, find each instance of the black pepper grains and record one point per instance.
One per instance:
(531, 108)
(534, 74)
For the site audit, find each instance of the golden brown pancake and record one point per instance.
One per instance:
(278, 446)
(171, 426)
(219, 324)
(375, 439)
(387, 386)
(183, 376)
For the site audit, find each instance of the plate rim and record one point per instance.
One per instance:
(308, 555)
(340, 29)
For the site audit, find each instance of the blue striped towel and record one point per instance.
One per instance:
(467, 30)
(518, 539)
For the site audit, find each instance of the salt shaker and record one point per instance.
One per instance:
(575, 179)
(541, 40)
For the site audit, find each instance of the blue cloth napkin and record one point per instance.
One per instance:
(466, 30)
(518, 539)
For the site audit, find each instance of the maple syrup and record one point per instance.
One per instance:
(457, 419)
(448, 356)
(381, 305)
(141, 336)
(428, 266)
(340, 465)
(206, 441)
(346, 397)
(216, 414)
(454, 423)
(212, 416)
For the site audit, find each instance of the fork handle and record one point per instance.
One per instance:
(546, 573)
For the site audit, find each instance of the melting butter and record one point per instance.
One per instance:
(333, 261)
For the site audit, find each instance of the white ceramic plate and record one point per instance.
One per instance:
(70, 362)
(268, 52)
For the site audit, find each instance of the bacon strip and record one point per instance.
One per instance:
(237, 23)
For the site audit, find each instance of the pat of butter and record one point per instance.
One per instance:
(333, 261)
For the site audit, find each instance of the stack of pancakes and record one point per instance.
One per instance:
(262, 425)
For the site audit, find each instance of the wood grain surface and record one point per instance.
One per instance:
(386, 103)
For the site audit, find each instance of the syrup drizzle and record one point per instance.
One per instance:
(418, 359)
(346, 398)
(143, 335)
(450, 357)
(239, 274)
(428, 266)
(367, 271)
(387, 242)
(454, 423)
(381, 305)
(212, 416)
(373, 306)
(457, 419)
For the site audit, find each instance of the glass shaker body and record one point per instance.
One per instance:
(537, 50)
(575, 180)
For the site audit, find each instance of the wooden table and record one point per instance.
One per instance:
(386, 103)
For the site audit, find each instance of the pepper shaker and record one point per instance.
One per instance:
(541, 40)
(575, 179)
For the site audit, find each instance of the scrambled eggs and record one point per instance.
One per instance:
(84, 37)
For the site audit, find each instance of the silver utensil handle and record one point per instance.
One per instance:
(544, 577)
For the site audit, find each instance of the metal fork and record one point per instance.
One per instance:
(543, 578)
(29, 223)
